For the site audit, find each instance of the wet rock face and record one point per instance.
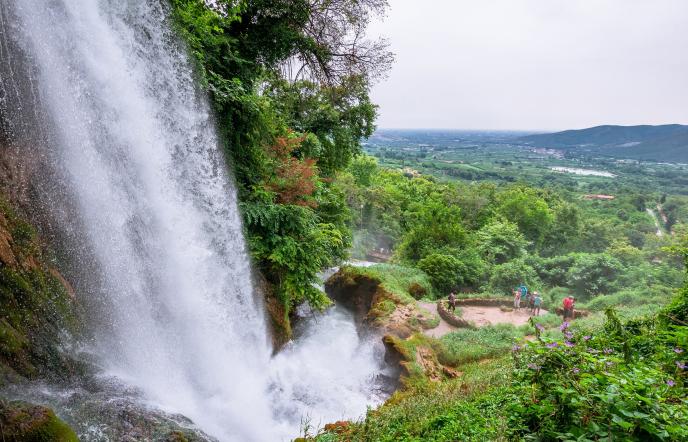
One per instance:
(23, 422)
(356, 293)
(105, 409)
(37, 305)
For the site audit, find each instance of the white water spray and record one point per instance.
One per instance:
(139, 152)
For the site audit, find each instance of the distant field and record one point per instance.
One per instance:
(480, 156)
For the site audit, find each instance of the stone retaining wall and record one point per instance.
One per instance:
(451, 318)
(486, 302)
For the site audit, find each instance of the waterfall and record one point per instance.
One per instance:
(134, 141)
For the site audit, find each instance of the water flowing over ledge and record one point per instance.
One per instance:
(174, 309)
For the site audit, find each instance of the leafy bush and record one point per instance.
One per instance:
(511, 274)
(626, 382)
(417, 291)
(444, 271)
(501, 241)
(657, 295)
(592, 274)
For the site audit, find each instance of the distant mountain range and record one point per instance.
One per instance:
(667, 142)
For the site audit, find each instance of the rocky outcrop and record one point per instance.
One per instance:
(20, 421)
(374, 305)
(279, 327)
(38, 305)
(576, 313)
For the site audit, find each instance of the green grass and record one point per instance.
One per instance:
(468, 408)
(396, 279)
(656, 295)
(466, 345)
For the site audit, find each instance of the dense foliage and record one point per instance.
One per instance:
(626, 380)
(289, 83)
(492, 237)
(619, 380)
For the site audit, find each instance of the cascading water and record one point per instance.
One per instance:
(135, 143)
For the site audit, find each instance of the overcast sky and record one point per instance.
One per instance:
(534, 64)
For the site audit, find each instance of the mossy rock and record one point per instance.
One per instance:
(417, 291)
(22, 422)
(37, 305)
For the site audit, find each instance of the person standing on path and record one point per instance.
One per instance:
(517, 299)
(452, 301)
(568, 305)
(537, 303)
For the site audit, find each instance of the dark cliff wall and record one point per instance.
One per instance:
(38, 307)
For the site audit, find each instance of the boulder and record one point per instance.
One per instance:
(23, 422)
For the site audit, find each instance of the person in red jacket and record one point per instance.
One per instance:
(569, 303)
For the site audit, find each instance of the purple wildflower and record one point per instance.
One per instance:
(678, 351)
(587, 337)
(552, 345)
(564, 326)
(568, 335)
(681, 365)
(593, 351)
(609, 363)
(670, 383)
(569, 344)
(608, 351)
(539, 327)
(575, 370)
(516, 348)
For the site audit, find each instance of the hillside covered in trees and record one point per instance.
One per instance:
(659, 143)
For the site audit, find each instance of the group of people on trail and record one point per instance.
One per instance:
(533, 300)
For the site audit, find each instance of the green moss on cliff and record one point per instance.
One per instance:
(380, 293)
(37, 304)
(22, 422)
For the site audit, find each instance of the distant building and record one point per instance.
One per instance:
(410, 173)
(599, 197)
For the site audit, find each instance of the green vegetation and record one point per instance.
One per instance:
(20, 421)
(660, 143)
(289, 83)
(489, 238)
(622, 380)
(467, 345)
(37, 306)
(398, 280)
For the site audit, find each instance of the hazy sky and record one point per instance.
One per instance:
(534, 64)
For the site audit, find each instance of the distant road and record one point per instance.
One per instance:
(654, 218)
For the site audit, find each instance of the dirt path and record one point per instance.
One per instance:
(444, 326)
(483, 316)
(480, 316)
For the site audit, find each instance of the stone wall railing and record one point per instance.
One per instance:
(450, 317)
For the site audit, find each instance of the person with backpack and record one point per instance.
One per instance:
(537, 303)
